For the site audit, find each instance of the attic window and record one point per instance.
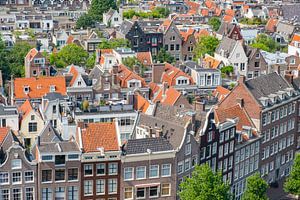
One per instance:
(52, 88)
(26, 88)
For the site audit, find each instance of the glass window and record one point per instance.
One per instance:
(100, 169)
(73, 193)
(16, 177)
(153, 191)
(154, 171)
(32, 126)
(29, 193)
(165, 189)
(46, 175)
(166, 170)
(100, 186)
(113, 168)
(16, 164)
(141, 172)
(46, 194)
(128, 193)
(4, 178)
(60, 193)
(16, 193)
(59, 175)
(140, 193)
(88, 187)
(4, 194)
(88, 170)
(128, 173)
(73, 174)
(112, 186)
(28, 176)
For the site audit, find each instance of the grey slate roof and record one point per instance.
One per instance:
(227, 45)
(290, 11)
(154, 144)
(225, 28)
(265, 85)
(54, 96)
(125, 27)
(283, 27)
(8, 110)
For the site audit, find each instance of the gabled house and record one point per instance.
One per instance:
(79, 86)
(9, 117)
(59, 165)
(101, 166)
(294, 45)
(36, 64)
(270, 102)
(230, 30)
(271, 25)
(188, 44)
(18, 170)
(172, 39)
(112, 18)
(257, 65)
(211, 62)
(60, 38)
(31, 123)
(220, 93)
(231, 52)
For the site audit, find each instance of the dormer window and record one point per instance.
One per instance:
(26, 89)
(52, 88)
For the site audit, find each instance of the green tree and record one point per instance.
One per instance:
(256, 188)
(215, 23)
(266, 43)
(164, 56)
(204, 185)
(85, 21)
(90, 62)
(114, 43)
(15, 58)
(227, 70)
(3, 61)
(98, 7)
(69, 54)
(292, 184)
(205, 45)
(132, 62)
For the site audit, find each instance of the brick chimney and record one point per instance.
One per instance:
(240, 101)
(242, 79)
(289, 77)
(199, 106)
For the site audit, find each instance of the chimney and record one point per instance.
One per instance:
(289, 77)
(115, 75)
(38, 141)
(277, 68)
(242, 79)
(164, 88)
(240, 101)
(199, 106)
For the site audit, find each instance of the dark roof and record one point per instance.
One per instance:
(8, 110)
(291, 11)
(125, 27)
(225, 28)
(227, 45)
(142, 145)
(265, 85)
(54, 96)
(296, 83)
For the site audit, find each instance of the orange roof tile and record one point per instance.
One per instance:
(25, 108)
(204, 12)
(32, 52)
(70, 39)
(211, 62)
(74, 72)
(125, 74)
(193, 5)
(141, 104)
(201, 33)
(144, 57)
(218, 11)
(185, 35)
(230, 12)
(172, 73)
(3, 133)
(296, 38)
(271, 25)
(228, 18)
(154, 88)
(234, 112)
(169, 98)
(38, 87)
(220, 92)
(209, 4)
(100, 135)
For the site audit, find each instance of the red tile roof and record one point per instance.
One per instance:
(234, 112)
(211, 62)
(172, 73)
(25, 108)
(228, 18)
(220, 92)
(185, 35)
(144, 57)
(271, 25)
(70, 39)
(295, 38)
(38, 87)
(193, 5)
(230, 12)
(141, 104)
(209, 4)
(3, 133)
(125, 74)
(169, 98)
(154, 88)
(74, 72)
(31, 54)
(100, 135)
